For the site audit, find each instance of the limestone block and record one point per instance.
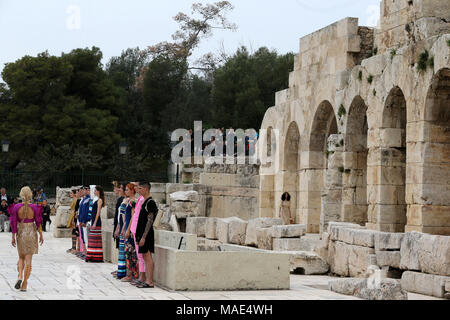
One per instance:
(308, 263)
(196, 225)
(288, 231)
(427, 284)
(338, 253)
(410, 251)
(173, 223)
(359, 237)
(333, 224)
(388, 289)
(388, 241)
(63, 197)
(324, 240)
(357, 260)
(223, 227)
(388, 258)
(253, 224)
(371, 260)
(62, 216)
(184, 209)
(264, 238)
(236, 231)
(189, 196)
(211, 224)
(447, 285)
(164, 222)
(287, 244)
(434, 254)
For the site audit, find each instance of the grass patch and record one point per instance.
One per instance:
(374, 92)
(393, 53)
(370, 79)
(360, 75)
(341, 111)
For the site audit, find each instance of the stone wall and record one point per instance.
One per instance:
(362, 131)
(421, 261)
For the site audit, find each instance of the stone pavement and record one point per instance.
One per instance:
(55, 273)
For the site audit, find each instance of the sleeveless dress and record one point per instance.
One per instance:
(122, 264)
(130, 249)
(285, 214)
(26, 229)
(95, 249)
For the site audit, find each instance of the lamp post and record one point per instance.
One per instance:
(5, 149)
(122, 150)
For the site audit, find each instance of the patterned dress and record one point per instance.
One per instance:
(122, 264)
(95, 248)
(130, 250)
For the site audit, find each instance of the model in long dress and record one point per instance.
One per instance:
(285, 209)
(26, 221)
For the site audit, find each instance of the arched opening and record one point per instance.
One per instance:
(431, 174)
(354, 194)
(387, 205)
(290, 168)
(321, 209)
(267, 190)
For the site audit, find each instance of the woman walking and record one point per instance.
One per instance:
(95, 250)
(25, 220)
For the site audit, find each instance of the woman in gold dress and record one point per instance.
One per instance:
(26, 220)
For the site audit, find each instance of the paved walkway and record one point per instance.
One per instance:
(54, 272)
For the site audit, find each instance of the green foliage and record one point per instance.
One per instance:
(58, 101)
(424, 61)
(393, 53)
(341, 112)
(448, 42)
(341, 169)
(375, 51)
(360, 74)
(244, 88)
(341, 143)
(374, 92)
(370, 79)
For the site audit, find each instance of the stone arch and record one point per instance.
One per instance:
(324, 125)
(429, 162)
(387, 168)
(290, 168)
(354, 193)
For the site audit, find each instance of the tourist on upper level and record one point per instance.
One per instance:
(95, 250)
(145, 234)
(25, 219)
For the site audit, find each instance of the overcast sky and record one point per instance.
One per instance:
(28, 27)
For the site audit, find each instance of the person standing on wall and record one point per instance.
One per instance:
(145, 236)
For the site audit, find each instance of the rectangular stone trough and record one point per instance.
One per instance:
(182, 270)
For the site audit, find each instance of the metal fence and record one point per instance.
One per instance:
(13, 181)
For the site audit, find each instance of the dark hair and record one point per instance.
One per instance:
(145, 184)
(286, 197)
(74, 191)
(102, 194)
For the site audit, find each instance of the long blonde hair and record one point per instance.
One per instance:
(26, 195)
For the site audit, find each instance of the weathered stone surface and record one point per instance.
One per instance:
(306, 262)
(388, 258)
(427, 284)
(211, 232)
(388, 241)
(348, 260)
(410, 251)
(253, 224)
(236, 231)
(389, 289)
(164, 222)
(63, 196)
(287, 244)
(173, 223)
(447, 285)
(264, 238)
(62, 216)
(333, 224)
(196, 225)
(185, 196)
(289, 231)
(335, 229)
(434, 254)
(223, 229)
(184, 209)
(364, 238)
